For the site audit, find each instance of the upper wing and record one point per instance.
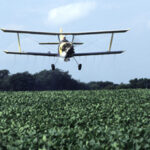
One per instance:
(98, 53)
(73, 33)
(33, 53)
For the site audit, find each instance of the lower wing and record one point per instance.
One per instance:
(57, 55)
(98, 53)
(33, 53)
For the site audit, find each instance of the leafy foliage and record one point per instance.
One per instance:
(118, 119)
(44, 80)
(59, 80)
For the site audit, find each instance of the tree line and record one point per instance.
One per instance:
(59, 80)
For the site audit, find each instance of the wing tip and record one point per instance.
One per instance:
(120, 52)
(5, 51)
(2, 29)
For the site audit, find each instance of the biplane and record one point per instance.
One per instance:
(66, 48)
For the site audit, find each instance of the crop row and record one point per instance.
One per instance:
(107, 119)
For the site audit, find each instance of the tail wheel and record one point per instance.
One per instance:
(53, 67)
(79, 66)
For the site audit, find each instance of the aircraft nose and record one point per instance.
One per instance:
(69, 48)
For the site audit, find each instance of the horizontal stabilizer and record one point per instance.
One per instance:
(49, 43)
(56, 43)
(33, 53)
(98, 53)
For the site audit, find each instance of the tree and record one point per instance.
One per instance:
(43, 80)
(101, 85)
(4, 74)
(59, 80)
(4, 80)
(22, 82)
(56, 80)
(140, 83)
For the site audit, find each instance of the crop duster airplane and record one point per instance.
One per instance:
(65, 48)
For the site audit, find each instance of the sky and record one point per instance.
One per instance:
(79, 16)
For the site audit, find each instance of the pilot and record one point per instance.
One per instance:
(64, 39)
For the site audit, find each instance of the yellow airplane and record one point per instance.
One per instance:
(66, 48)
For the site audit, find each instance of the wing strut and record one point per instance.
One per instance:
(58, 38)
(19, 42)
(72, 38)
(111, 40)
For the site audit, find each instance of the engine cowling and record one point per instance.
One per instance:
(66, 49)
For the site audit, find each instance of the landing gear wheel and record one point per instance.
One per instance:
(79, 66)
(53, 67)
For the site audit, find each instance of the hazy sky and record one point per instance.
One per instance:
(74, 16)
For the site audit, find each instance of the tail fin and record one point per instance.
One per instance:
(61, 36)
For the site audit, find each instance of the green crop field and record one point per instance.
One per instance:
(74, 120)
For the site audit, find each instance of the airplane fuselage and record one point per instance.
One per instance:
(66, 50)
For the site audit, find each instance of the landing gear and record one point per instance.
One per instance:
(79, 66)
(66, 59)
(53, 67)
